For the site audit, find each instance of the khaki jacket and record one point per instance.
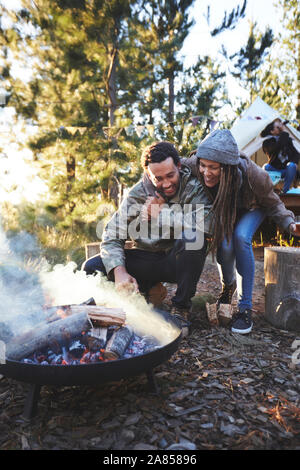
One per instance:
(127, 223)
(256, 190)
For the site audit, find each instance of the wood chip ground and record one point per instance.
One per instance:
(219, 391)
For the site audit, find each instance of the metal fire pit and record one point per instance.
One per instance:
(87, 374)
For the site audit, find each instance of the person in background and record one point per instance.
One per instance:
(242, 196)
(282, 155)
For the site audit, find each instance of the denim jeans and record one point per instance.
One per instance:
(288, 174)
(237, 255)
(179, 265)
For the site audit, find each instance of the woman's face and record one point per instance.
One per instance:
(211, 172)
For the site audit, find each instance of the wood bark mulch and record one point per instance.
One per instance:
(219, 391)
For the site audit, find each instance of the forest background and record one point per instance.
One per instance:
(85, 85)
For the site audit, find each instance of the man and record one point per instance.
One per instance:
(281, 153)
(166, 215)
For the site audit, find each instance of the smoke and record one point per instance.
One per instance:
(66, 285)
(28, 283)
(21, 294)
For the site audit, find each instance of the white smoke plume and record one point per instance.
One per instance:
(66, 285)
(28, 285)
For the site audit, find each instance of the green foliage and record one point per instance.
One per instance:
(60, 240)
(230, 20)
(97, 67)
(250, 57)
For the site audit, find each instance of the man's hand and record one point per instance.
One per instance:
(124, 281)
(293, 230)
(152, 206)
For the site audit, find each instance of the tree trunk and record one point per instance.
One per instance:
(111, 86)
(298, 84)
(282, 287)
(71, 167)
(171, 98)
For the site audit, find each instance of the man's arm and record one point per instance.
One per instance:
(116, 233)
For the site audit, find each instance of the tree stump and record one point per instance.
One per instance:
(282, 287)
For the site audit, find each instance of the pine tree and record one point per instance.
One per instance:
(168, 26)
(229, 20)
(72, 94)
(288, 67)
(277, 82)
(249, 59)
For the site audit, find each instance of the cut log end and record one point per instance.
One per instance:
(282, 290)
(212, 314)
(225, 313)
(118, 343)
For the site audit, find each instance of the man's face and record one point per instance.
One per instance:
(165, 176)
(277, 127)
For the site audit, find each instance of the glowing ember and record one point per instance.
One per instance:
(79, 352)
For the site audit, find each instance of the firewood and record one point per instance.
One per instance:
(225, 312)
(90, 301)
(99, 315)
(102, 316)
(48, 334)
(212, 314)
(118, 343)
(97, 338)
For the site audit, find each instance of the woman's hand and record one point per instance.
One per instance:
(152, 206)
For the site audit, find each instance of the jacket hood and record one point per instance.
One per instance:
(219, 146)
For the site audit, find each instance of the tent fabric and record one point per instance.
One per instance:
(246, 129)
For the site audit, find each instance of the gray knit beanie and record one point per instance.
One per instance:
(219, 146)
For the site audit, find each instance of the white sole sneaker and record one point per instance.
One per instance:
(244, 331)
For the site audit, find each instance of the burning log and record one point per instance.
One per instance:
(103, 316)
(118, 343)
(100, 316)
(46, 335)
(97, 338)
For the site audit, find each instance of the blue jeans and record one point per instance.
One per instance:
(238, 253)
(288, 174)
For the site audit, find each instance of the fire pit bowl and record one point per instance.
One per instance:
(88, 374)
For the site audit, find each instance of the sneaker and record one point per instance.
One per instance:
(225, 297)
(180, 316)
(242, 322)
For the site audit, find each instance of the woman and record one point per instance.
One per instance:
(242, 195)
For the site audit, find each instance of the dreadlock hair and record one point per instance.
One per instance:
(224, 208)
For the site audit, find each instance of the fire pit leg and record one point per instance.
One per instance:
(30, 407)
(152, 382)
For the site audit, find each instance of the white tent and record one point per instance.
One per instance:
(246, 130)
